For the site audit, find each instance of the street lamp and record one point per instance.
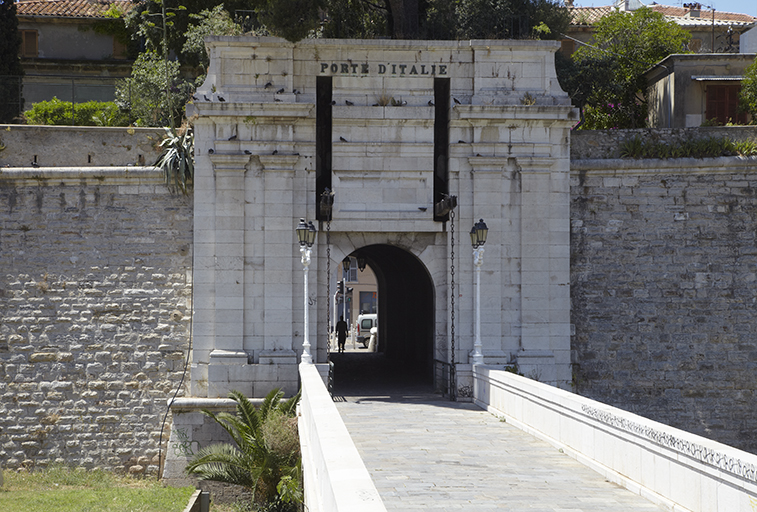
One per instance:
(346, 264)
(306, 237)
(478, 238)
(361, 263)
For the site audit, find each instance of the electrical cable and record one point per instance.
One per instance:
(161, 465)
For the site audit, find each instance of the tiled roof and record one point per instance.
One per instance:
(590, 15)
(69, 8)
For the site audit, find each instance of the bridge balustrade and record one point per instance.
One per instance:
(676, 469)
(335, 478)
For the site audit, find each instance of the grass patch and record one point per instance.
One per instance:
(60, 489)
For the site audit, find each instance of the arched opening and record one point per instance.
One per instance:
(405, 325)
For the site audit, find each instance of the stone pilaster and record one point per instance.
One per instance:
(229, 272)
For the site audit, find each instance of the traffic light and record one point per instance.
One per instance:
(340, 288)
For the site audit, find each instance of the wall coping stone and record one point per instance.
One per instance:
(73, 175)
(187, 404)
(621, 166)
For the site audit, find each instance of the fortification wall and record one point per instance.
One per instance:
(664, 290)
(95, 290)
(78, 146)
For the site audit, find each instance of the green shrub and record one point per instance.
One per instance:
(708, 147)
(63, 113)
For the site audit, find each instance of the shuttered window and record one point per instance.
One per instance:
(29, 46)
(723, 104)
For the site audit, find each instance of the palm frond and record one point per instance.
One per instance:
(270, 402)
(289, 407)
(177, 159)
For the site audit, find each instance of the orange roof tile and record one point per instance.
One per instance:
(69, 8)
(590, 15)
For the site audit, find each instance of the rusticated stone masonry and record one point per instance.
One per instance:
(664, 291)
(95, 291)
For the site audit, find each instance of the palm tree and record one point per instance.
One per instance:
(266, 458)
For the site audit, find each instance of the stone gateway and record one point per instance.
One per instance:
(393, 129)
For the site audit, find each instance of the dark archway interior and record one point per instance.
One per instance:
(406, 325)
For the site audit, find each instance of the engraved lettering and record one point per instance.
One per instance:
(345, 68)
(354, 68)
(413, 71)
(433, 69)
(402, 68)
(364, 69)
(423, 70)
(382, 69)
(334, 68)
(442, 69)
(324, 66)
(394, 69)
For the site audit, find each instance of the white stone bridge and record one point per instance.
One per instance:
(522, 445)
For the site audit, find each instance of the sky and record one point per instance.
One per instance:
(740, 6)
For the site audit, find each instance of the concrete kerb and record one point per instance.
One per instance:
(335, 477)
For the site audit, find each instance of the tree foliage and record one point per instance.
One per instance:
(11, 71)
(748, 92)
(216, 21)
(143, 94)
(265, 456)
(607, 78)
(446, 19)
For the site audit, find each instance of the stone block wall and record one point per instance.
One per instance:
(591, 144)
(95, 301)
(78, 146)
(664, 291)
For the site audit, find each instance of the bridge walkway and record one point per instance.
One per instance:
(427, 453)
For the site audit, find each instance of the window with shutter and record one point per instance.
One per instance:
(29, 47)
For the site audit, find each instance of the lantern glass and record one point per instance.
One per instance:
(361, 263)
(473, 237)
(481, 232)
(302, 230)
(310, 236)
(346, 264)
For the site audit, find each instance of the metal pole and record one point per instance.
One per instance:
(478, 260)
(306, 357)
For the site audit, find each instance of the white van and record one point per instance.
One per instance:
(365, 323)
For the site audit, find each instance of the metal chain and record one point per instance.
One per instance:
(452, 366)
(328, 289)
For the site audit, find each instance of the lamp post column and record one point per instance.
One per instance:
(306, 238)
(478, 260)
(478, 236)
(306, 357)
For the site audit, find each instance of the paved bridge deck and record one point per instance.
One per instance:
(427, 453)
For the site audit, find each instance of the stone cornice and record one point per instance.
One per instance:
(278, 162)
(250, 109)
(551, 114)
(230, 161)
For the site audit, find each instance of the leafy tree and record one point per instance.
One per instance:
(265, 457)
(510, 19)
(447, 19)
(11, 71)
(608, 76)
(748, 93)
(114, 25)
(143, 93)
(215, 21)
